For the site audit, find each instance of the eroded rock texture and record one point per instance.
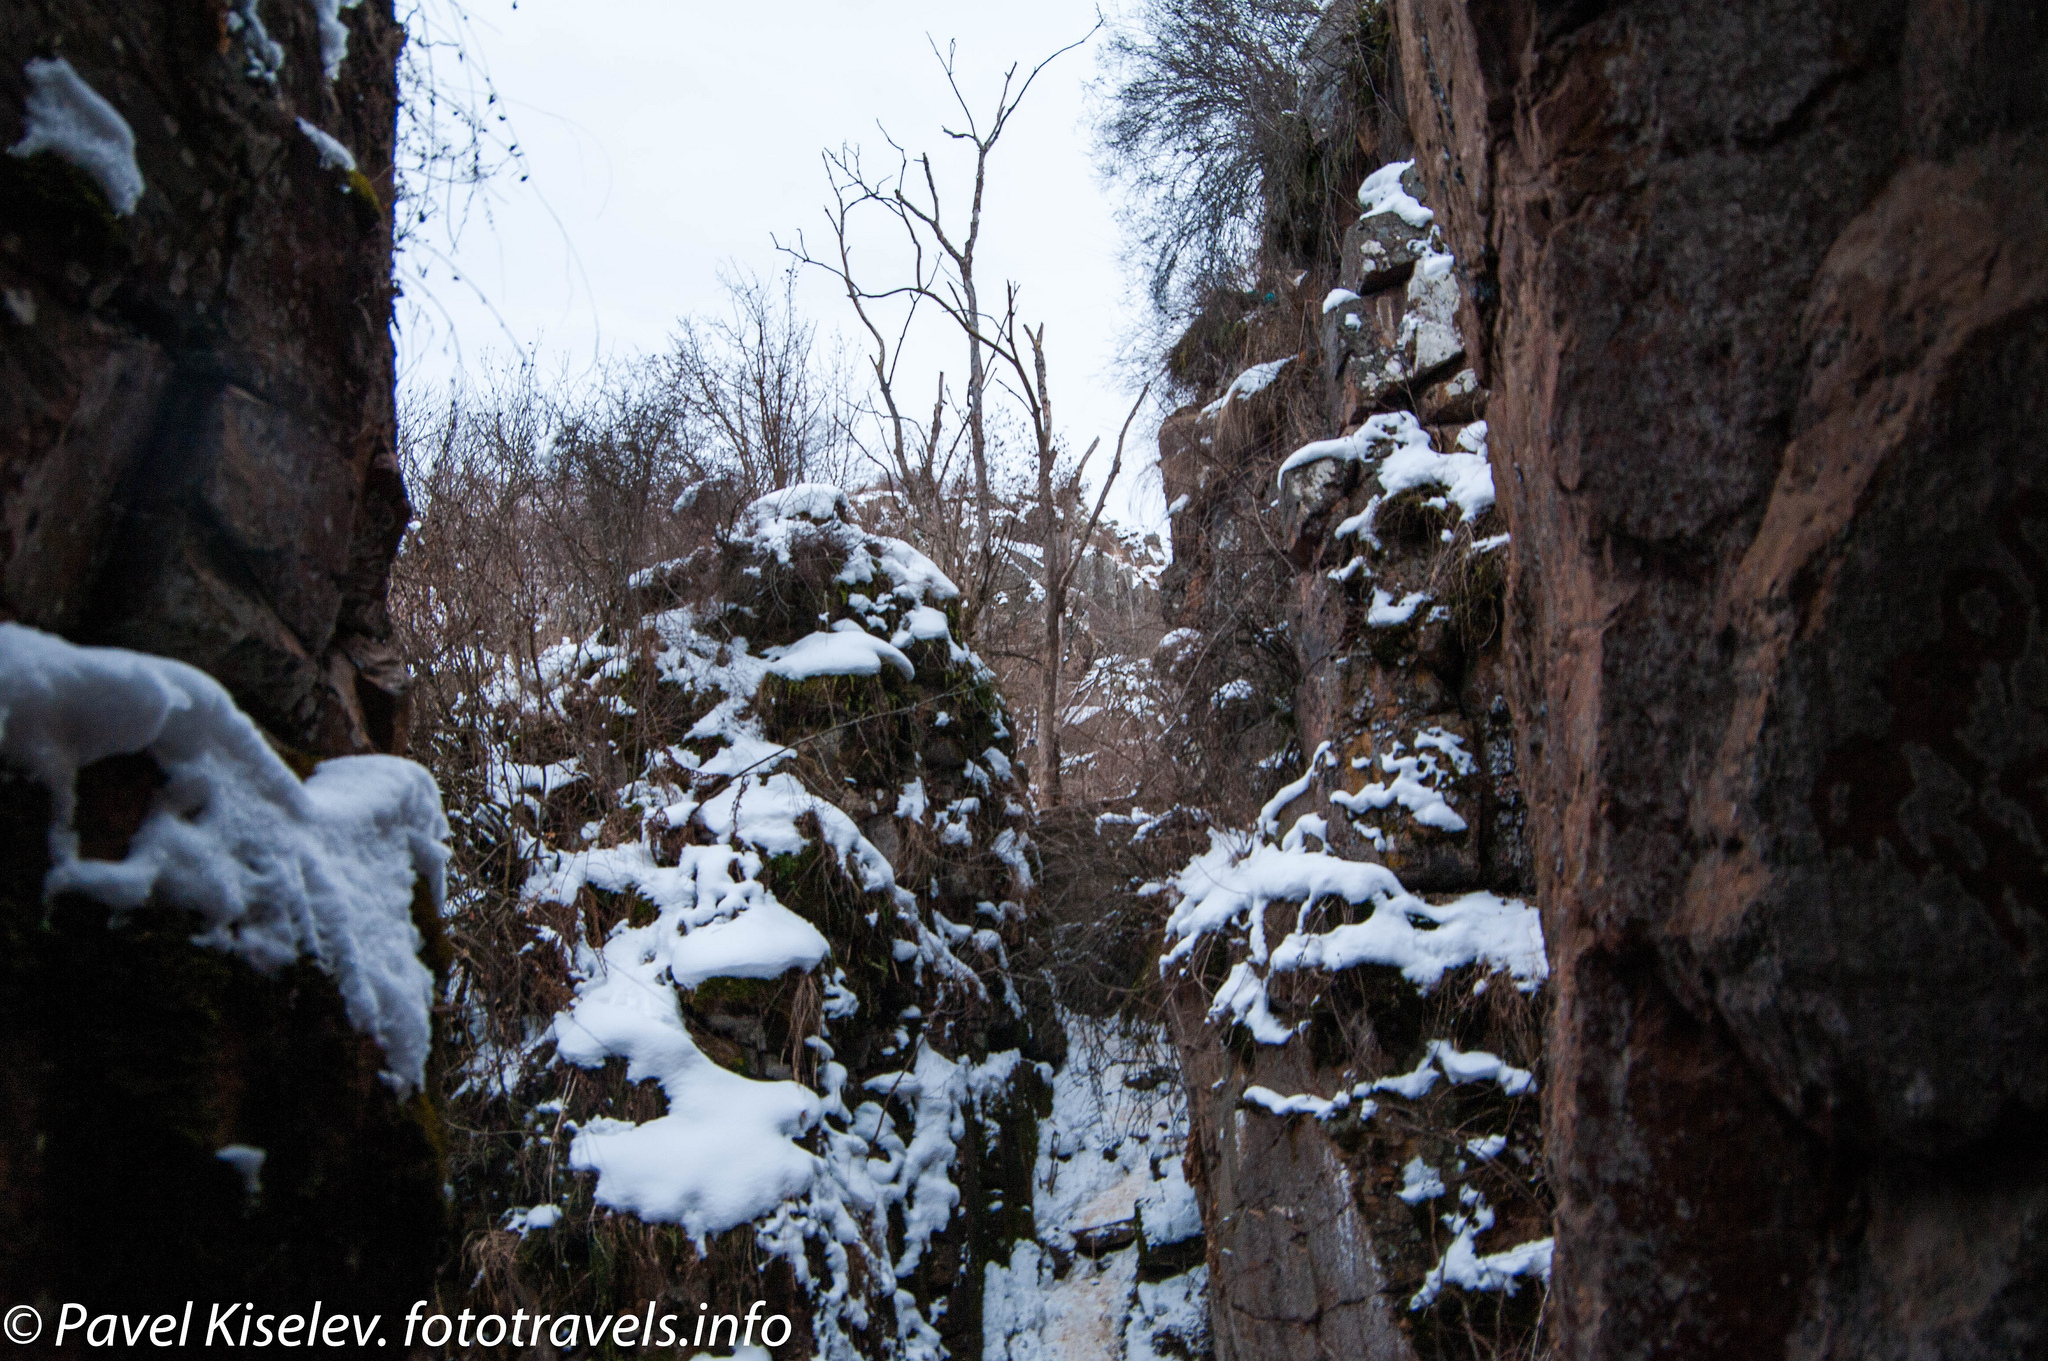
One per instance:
(817, 869)
(1339, 641)
(1324, 1240)
(196, 423)
(196, 461)
(1762, 295)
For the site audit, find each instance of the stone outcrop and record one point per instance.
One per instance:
(797, 852)
(1394, 682)
(196, 421)
(196, 461)
(1762, 297)
(1340, 634)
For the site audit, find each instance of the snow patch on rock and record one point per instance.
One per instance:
(1382, 193)
(277, 869)
(70, 119)
(1255, 379)
(1406, 461)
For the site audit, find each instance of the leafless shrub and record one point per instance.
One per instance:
(767, 405)
(1239, 129)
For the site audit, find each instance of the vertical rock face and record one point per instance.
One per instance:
(196, 424)
(205, 1097)
(1354, 985)
(1364, 1125)
(1762, 293)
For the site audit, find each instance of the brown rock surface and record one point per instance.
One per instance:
(196, 422)
(1313, 1249)
(1293, 1261)
(1762, 293)
(1380, 251)
(196, 460)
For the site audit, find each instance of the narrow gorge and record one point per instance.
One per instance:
(1549, 851)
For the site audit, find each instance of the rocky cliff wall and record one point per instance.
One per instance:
(1762, 296)
(196, 423)
(213, 948)
(1355, 985)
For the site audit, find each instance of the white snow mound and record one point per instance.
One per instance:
(1382, 193)
(1406, 461)
(277, 869)
(69, 117)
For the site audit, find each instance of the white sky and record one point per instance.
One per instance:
(665, 138)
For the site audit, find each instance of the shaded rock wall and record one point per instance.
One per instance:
(196, 461)
(196, 417)
(1762, 296)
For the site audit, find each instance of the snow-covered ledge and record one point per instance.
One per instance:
(278, 869)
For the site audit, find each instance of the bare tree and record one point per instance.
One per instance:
(1203, 115)
(943, 248)
(615, 462)
(768, 405)
(918, 460)
(914, 462)
(963, 300)
(1062, 544)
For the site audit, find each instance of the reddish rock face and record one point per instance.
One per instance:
(196, 428)
(1762, 297)
(196, 460)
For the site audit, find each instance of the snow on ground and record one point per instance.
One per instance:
(1109, 1153)
(1167, 1312)
(278, 869)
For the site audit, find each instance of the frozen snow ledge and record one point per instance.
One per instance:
(70, 118)
(1232, 883)
(1407, 460)
(277, 869)
(1227, 889)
